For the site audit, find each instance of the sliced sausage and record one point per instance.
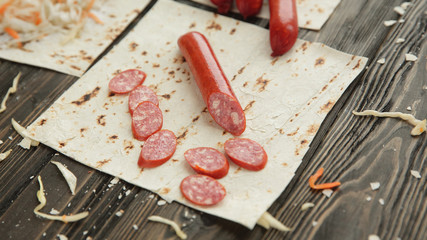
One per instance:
(283, 25)
(126, 81)
(146, 120)
(158, 149)
(223, 5)
(202, 190)
(249, 7)
(141, 94)
(222, 104)
(207, 161)
(246, 153)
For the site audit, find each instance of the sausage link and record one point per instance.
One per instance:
(223, 5)
(283, 26)
(222, 104)
(249, 7)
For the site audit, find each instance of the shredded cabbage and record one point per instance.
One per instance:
(35, 19)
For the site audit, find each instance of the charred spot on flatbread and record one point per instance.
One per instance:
(357, 64)
(164, 190)
(62, 144)
(324, 88)
(312, 129)
(334, 78)
(156, 65)
(274, 61)
(302, 145)
(85, 98)
(128, 145)
(42, 122)
(232, 31)
(261, 83)
(182, 136)
(241, 70)
(327, 106)
(192, 25)
(293, 133)
(82, 130)
(168, 95)
(213, 25)
(195, 119)
(133, 46)
(320, 61)
(250, 104)
(75, 67)
(304, 46)
(99, 164)
(101, 120)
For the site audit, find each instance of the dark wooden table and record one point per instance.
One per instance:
(355, 150)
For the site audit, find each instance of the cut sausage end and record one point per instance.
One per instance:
(126, 81)
(246, 153)
(227, 112)
(202, 190)
(158, 149)
(147, 119)
(207, 161)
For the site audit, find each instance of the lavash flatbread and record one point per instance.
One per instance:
(76, 56)
(312, 14)
(285, 101)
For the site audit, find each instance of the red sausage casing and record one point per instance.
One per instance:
(249, 7)
(222, 104)
(223, 5)
(283, 25)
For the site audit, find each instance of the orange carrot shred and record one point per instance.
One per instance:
(4, 6)
(90, 5)
(37, 19)
(95, 18)
(13, 34)
(312, 181)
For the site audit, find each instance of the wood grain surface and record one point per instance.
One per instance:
(355, 150)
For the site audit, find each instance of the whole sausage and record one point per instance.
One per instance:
(126, 81)
(249, 7)
(202, 190)
(222, 104)
(207, 161)
(246, 153)
(158, 149)
(223, 5)
(283, 25)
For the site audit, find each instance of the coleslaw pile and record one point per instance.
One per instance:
(28, 20)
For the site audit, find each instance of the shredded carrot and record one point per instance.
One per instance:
(312, 181)
(90, 5)
(13, 34)
(95, 18)
(4, 6)
(37, 19)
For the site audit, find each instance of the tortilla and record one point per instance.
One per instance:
(312, 14)
(285, 100)
(77, 55)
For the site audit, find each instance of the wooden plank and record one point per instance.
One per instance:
(349, 155)
(362, 150)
